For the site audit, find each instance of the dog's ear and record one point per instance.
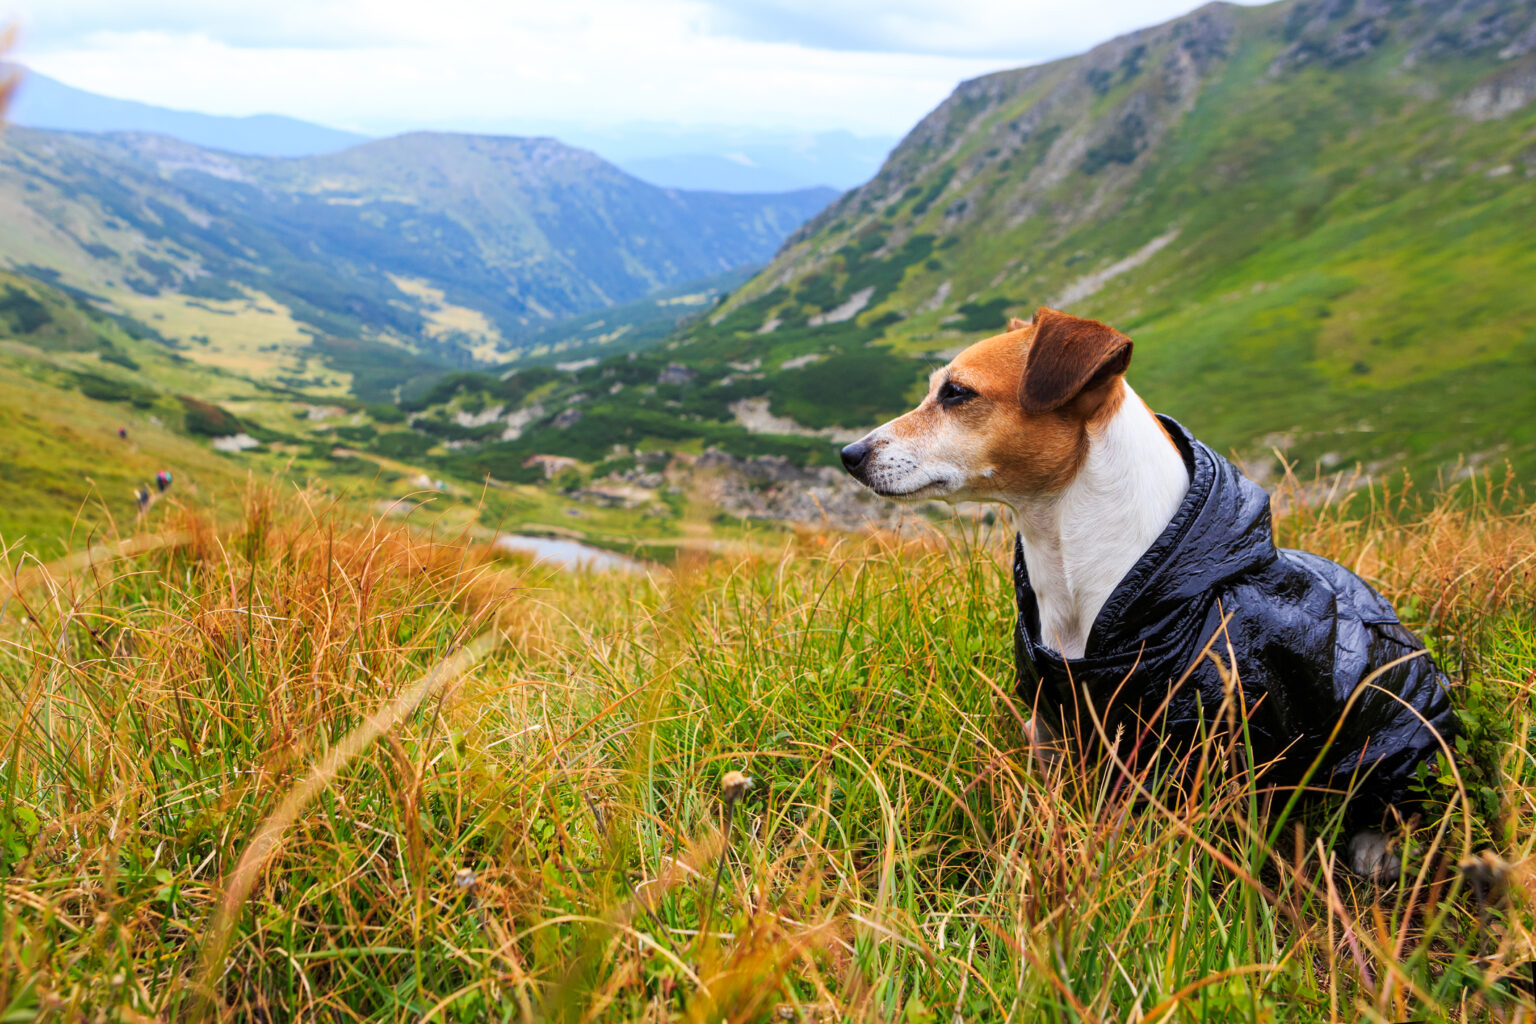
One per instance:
(1071, 357)
(1015, 324)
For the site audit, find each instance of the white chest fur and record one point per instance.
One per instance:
(1079, 543)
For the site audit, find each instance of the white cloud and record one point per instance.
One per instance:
(869, 66)
(1007, 29)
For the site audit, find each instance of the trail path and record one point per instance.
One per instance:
(21, 579)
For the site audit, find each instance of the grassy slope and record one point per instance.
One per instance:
(70, 376)
(67, 474)
(1342, 244)
(540, 840)
(631, 327)
(1345, 262)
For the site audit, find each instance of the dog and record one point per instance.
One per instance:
(1136, 546)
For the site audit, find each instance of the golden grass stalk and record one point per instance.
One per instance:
(265, 842)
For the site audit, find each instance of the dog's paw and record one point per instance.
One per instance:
(1371, 857)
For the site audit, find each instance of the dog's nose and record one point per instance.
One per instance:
(854, 456)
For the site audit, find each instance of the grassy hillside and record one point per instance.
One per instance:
(450, 247)
(1313, 218)
(314, 767)
(72, 376)
(631, 327)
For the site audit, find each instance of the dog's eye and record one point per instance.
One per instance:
(952, 394)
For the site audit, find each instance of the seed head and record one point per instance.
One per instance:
(734, 784)
(1488, 874)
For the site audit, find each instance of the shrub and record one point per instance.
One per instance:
(932, 191)
(991, 315)
(401, 444)
(22, 312)
(361, 434)
(207, 419)
(104, 389)
(817, 290)
(382, 413)
(1122, 146)
(122, 359)
(850, 389)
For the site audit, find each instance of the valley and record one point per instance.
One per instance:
(1313, 220)
(448, 248)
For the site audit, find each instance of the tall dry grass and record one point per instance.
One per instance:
(544, 837)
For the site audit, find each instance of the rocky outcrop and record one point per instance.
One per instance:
(1503, 94)
(772, 488)
(465, 418)
(675, 373)
(1332, 32)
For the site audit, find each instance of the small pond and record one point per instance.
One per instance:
(568, 554)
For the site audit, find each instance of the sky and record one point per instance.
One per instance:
(871, 67)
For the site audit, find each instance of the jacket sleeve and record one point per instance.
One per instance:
(1393, 698)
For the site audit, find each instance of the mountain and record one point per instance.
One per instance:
(1313, 217)
(740, 160)
(701, 158)
(43, 102)
(451, 246)
(732, 172)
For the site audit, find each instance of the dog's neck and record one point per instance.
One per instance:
(1081, 541)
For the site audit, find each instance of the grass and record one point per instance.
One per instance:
(256, 773)
(69, 476)
(255, 335)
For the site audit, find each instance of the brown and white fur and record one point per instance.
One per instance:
(1042, 420)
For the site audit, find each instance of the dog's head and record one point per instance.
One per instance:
(1010, 418)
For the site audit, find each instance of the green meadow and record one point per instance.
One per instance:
(297, 763)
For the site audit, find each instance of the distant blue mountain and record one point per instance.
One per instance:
(716, 174)
(715, 158)
(42, 102)
(738, 159)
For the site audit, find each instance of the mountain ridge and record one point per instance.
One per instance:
(449, 244)
(707, 158)
(44, 102)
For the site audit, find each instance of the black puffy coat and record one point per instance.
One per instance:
(1305, 633)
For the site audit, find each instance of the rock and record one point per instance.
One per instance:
(847, 311)
(1501, 95)
(478, 419)
(517, 419)
(320, 412)
(770, 487)
(675, 373)
(235, 443)
(940, 297)
(568, 418)
(1332, 32)
(550, 464)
